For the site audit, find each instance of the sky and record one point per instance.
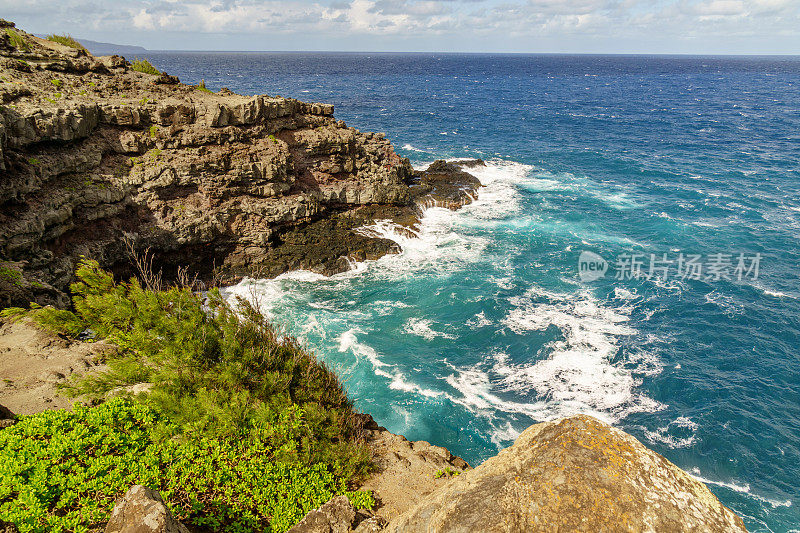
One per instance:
(521, 26)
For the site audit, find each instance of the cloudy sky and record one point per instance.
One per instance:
(580, 26)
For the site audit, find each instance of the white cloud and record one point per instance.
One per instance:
(419, 20)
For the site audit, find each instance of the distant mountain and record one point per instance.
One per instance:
(107, 49)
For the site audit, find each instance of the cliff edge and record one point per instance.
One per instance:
(576, 474)
(97, 156)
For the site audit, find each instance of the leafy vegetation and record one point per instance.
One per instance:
(153, 131)
(143, 65)
(202, 87)
(66, 40)
(61, 471)
(446, 472)
(10, 275)
(241, 430)
(17, 41)
(57, 83)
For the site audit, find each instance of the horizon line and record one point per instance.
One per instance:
(599, 54)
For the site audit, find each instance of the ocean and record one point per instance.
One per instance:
(633, 254)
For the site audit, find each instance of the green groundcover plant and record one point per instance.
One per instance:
(241, 430)
(61, 471)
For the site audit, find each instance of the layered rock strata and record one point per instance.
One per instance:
(94, 154)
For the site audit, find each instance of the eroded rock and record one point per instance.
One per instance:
(142, 510)
(338, 515)
(577, 474)
(225, 184)
(7, 418)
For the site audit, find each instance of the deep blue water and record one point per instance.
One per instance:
(483, 326)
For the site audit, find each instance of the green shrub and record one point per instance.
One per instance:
(17, 41)
(202, 87)
(66, 40)
(10, 275)
(57, 83)
(62, 471)
(143, 65)
(153, 131)
(222, 376)
(446, 472)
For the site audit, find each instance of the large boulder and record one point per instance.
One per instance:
(142, 510)
(338, 515)
(577, 474)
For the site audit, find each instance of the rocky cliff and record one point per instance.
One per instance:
(576, 474)
(95, 154)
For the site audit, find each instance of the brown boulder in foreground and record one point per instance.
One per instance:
(577, 474)
(142, 510)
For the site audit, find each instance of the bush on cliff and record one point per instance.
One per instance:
(66, 40)
(220, 376)
(143, 65)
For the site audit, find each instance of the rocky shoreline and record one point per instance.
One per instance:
(94, 152)
(99, 159)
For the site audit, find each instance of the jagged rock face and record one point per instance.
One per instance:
(578, 474)
(142, 510)
(91, 150)
(406, 472)
(338, 515)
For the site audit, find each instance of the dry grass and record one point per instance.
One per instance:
(66, 40)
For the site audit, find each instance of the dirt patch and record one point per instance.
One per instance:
(406, 470)
(34, 362)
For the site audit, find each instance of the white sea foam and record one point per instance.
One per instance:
(348, 341)
(435, 247)
(725, 302)
(422, 328)
(680, 433)
(412, 148)
(738, 487)
(479, 321)
(775, 293)
(579, 373)
(504, 434)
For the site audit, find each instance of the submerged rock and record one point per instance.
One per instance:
(446, 184)
(577, 474)
(142, 510)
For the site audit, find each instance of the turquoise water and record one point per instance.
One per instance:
(483, 326)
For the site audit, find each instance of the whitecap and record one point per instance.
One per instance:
(680, 433)
(422, 328)
(412, 148)
(740, 488)
(348, 341)
(478, 321)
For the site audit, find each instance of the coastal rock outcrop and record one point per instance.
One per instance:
(7, 418)
(577, 474)
(94, 153)
(142, 510)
